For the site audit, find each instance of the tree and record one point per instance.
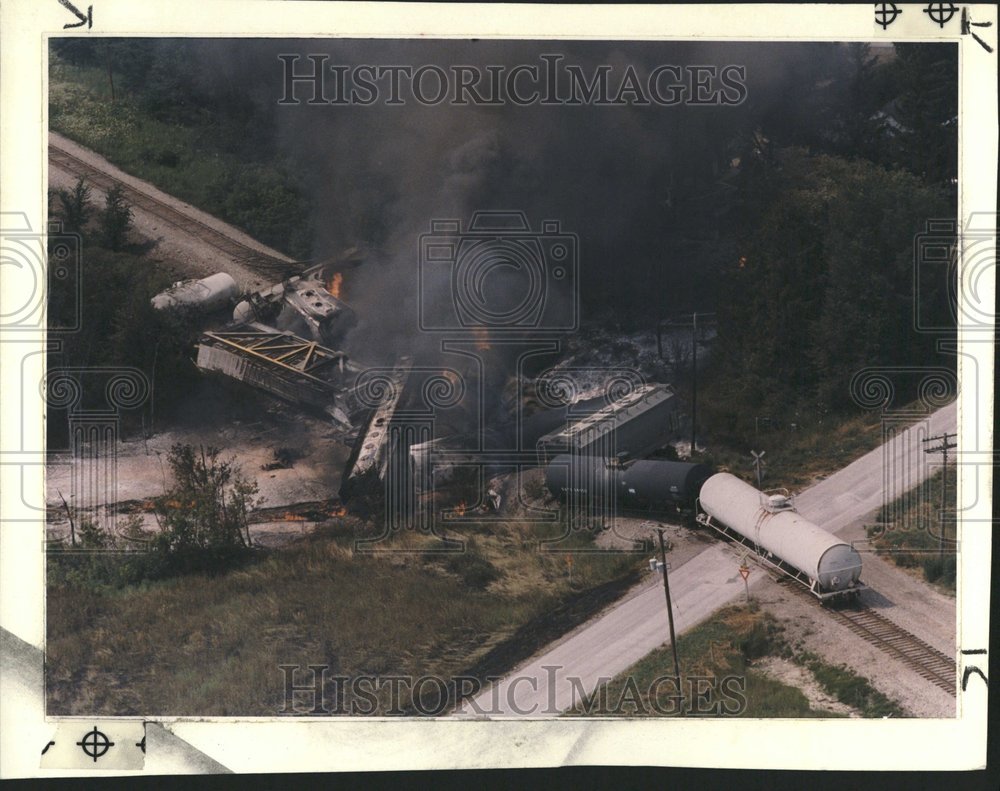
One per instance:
(76, 208)
(117, 218)
(208, 506)
(827, 285)
(926, 107)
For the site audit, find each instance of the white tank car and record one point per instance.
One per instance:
(771, 526)
(205, 295)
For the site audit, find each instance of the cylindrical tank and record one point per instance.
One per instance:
(207, 294)
(785, 534)
(648, 483)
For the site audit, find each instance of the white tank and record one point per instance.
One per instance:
(207, 294)
(782, 532)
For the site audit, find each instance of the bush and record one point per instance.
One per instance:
(940, 569)
(208, 505)
(117, 569)
(204, 529)
(475, 570)
(535, 489)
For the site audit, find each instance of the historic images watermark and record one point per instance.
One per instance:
(310, 79)
(495, 292)
(314, 690)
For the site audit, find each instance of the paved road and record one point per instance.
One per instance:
(627, 632)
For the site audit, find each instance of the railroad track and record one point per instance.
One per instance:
(264, 264)
(894, 640)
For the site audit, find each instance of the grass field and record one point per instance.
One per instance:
(908, 531)
(196, 161)
(795, 457)
(213, 645)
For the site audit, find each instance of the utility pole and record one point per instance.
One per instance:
(670, 616)
(745, 573)
(757, 461)
(694, 370)
(943, 449)
(756, 427)
(694, 383)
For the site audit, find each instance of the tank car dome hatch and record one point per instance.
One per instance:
(777, 502)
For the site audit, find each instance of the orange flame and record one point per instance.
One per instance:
(290, 517)
(460, 509)
(334, 285)
(339, 511)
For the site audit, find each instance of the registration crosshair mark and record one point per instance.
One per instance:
(95, 743)
(885, 14)
(941, 13)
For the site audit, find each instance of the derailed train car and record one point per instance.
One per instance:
(780, 536)
(644, 485)
(767, 525)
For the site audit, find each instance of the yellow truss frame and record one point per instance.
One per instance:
(281, 349)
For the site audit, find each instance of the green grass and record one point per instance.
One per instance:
(796, 459)
(850, 688)
(725, 647)
(195, 161)
(722, 647)
(907, 531)
(212, 645)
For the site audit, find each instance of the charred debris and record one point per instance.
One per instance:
(413, 428)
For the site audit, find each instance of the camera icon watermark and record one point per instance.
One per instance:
(498, 276)
(35, 264)
(953, 270)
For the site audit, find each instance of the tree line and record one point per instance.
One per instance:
(821, 283)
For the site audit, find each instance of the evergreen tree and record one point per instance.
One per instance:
(926, 107)
(76, 208)
(117, 218)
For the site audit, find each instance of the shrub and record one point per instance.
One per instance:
(535, 489)
(940, 569)
(208, 505)
(475, 570)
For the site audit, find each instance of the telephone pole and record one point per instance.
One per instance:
(670, 616)
(757, 461)
(943, 448)
(694, 383)
(706, 318)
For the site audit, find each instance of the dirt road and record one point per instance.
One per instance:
(187, 241)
